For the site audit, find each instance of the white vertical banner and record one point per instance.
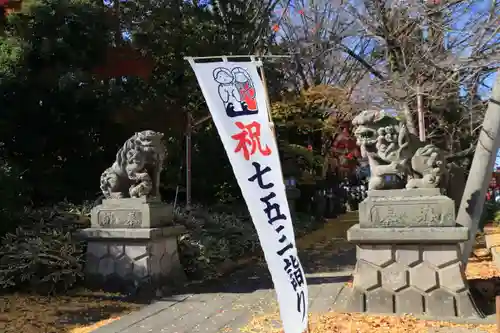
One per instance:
(236, 99)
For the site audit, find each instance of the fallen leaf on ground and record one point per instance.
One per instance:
(60, 314)
(333, 322)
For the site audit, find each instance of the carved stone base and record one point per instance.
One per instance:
(131, 213)
(132, 259)
(421, 275)
(406, 208)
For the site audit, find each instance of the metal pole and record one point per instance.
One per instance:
(188, 161)
(226, 57)
(420, 112)
(474, 194)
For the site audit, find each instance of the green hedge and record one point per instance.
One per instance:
(41, 254)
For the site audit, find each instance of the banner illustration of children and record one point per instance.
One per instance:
(236, 91)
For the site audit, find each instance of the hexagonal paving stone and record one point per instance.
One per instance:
(123, 266)
(452, 277)
(380, 255)
(171, 245)
(423, 277)
(440, 303)
(99, 250)
(394, 277)
(466, 307)
(134, 251)
(440, 255)
(116, 250)
(91, 263)
(379, 301)
(409, 301)
(141, 267)
(366, 276)
(354, 301)
(106, 266)
(165, 264)
(154, 265)
(157, 248)
(408, 255)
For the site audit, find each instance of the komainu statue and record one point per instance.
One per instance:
(136, 170)
(397, 158)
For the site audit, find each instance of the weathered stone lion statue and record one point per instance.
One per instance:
(136, 170)
(397, 158)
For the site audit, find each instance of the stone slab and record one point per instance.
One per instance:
(324, 299)
(357, 234)
(405, 193)
(135, 317)
(495, 254)
(132, 213)
(406, 208)
(177, 318)
(131, 234)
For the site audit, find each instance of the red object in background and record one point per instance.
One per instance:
(125, 61)
(345, 148)
(309, 147)
(10, 6)
(495, 180)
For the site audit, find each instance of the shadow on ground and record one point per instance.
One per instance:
(483, 292)
(334, 255)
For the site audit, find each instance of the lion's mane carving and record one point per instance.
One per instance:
(393, 151)
(136, 170)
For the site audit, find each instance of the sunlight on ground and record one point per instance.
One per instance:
(88, 329)
(334, 228)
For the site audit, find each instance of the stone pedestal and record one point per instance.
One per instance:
(408, 256)
(132, 244)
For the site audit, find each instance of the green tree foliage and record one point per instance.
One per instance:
(62, 125)
(167, 31)
(310, 118)
(54, 121)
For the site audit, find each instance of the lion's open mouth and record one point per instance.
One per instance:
(366, 136)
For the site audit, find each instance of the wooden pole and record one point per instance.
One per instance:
(420, 112)
(266, 92)
(268, 104)
(189, 130)
(474, 194)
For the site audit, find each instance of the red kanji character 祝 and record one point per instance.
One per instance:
(249, 140)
